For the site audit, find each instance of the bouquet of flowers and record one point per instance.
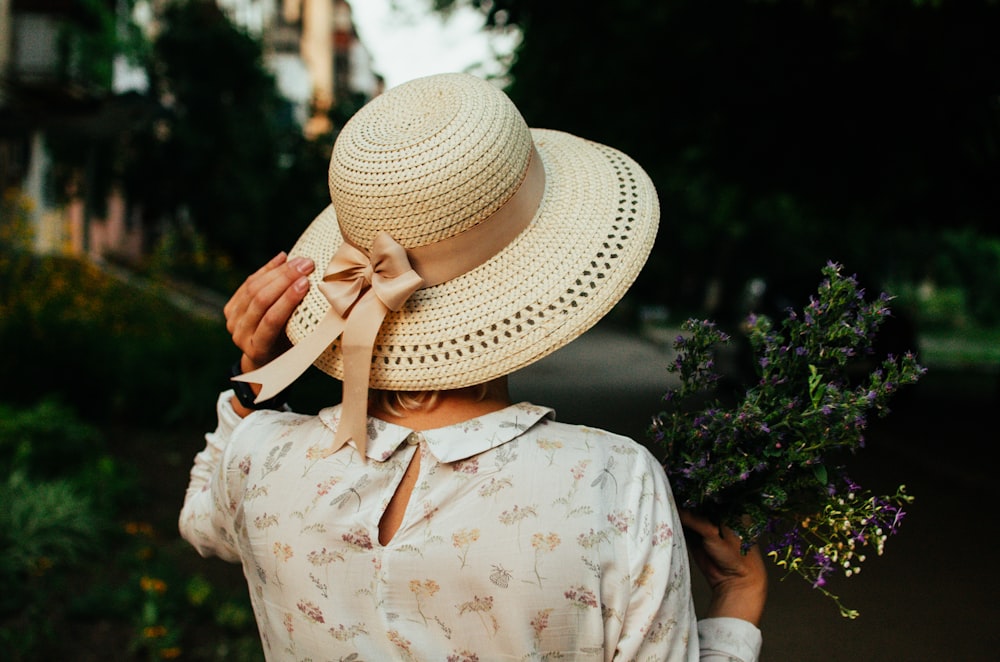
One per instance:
(773, 462)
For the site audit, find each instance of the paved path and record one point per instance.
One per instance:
(606, 378)
(931, 598)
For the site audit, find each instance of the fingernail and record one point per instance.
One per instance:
(301, 285)
(303, 265)
(279, 258)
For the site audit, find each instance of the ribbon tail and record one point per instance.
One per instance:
(277, 375)
(357, 346)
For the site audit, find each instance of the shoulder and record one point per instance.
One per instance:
(600, 456)
(271, 418)
(619, 480)
(595, 441)
(266, 425)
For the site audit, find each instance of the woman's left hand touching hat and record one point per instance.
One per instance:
(258, 311)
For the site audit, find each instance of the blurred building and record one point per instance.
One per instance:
(56, 81)
(312, 47)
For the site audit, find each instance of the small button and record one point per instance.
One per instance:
(414, 438)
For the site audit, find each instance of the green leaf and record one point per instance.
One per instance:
(819, 471)
(816, 387)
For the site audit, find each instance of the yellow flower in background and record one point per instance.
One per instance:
(139, 528)
(153, 585)
(154, 632)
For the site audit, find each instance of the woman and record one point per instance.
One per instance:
(427, 516)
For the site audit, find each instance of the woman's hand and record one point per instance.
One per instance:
(257, 313)
(738, 581)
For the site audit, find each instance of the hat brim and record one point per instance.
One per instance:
(585, 246)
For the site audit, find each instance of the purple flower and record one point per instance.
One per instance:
(772, 427)
(824, 566)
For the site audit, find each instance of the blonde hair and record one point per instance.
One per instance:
(399, 403)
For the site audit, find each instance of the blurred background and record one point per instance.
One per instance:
(153, 152)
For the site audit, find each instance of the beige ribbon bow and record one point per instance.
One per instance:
(362, 290)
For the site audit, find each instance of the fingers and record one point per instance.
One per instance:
(700, 525)
(270, 316)
(738, 584)
(738, 580)
(717, 550)
(257, 313)
(237, 303)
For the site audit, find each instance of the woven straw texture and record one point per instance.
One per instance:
(433, 157)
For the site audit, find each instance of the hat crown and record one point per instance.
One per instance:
(427, 160)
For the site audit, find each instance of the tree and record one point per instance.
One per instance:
(212, 159)
(780, 133)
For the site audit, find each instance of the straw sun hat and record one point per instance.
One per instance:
(540, 234)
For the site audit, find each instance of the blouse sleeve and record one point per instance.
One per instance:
(660, 623)
(206, 519)
(728, 639)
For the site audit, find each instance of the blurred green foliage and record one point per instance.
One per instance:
(222, 166)
(780, 133)
(970, 261)
(109, 349)
(90, 35)
(955, 281)
(211, 153)
(60, 489)
(45, 441)
(72, 560)
(210, 158)
(16, 233)
(47, 530)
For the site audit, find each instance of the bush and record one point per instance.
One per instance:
(69, 560)
(16, 231)
(45, 441)
(970, 262)
(42, 525)
(109, 349)
(949, 281)
(60, 492)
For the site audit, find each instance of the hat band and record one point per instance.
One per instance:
(363, 287)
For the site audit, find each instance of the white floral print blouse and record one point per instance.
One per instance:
(524, 539)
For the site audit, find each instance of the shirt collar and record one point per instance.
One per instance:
(453, 442)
